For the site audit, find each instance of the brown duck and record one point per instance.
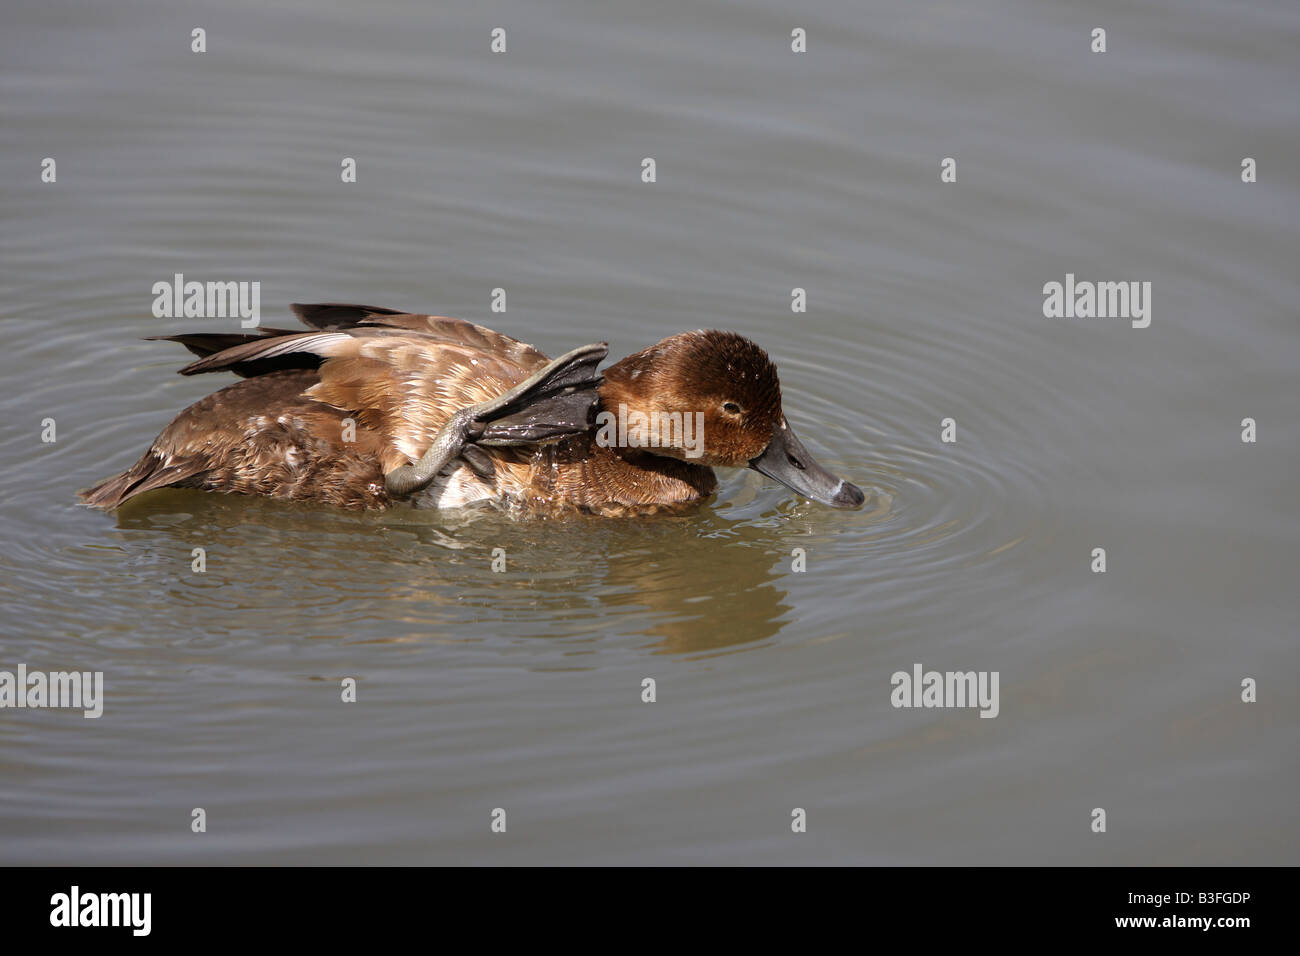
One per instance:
(372, 406)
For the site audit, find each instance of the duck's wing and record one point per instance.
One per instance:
(332, 316)
(407, 387)
(404, 376)
(553, 403)
(250, 354)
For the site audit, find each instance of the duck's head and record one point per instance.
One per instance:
(713, 398)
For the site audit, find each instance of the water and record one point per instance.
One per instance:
(523, 690)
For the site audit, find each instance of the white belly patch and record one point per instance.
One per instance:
(455, 490)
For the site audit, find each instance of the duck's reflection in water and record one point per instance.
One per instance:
(694, 584)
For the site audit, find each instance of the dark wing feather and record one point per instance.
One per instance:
(204, 344)
(294, 350)
(337, 315)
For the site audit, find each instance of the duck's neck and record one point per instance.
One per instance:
(617, 417)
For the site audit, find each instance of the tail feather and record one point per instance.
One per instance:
(150, 472)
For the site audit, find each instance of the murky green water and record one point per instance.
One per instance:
(522, 690)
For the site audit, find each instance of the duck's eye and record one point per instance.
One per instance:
(731, 408)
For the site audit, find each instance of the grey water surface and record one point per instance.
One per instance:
(776, 170)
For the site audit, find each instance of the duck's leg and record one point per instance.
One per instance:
(553, 403)
(447, 445)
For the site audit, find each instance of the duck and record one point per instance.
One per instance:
(368, 408)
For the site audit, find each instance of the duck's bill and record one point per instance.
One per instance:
(787, 461)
